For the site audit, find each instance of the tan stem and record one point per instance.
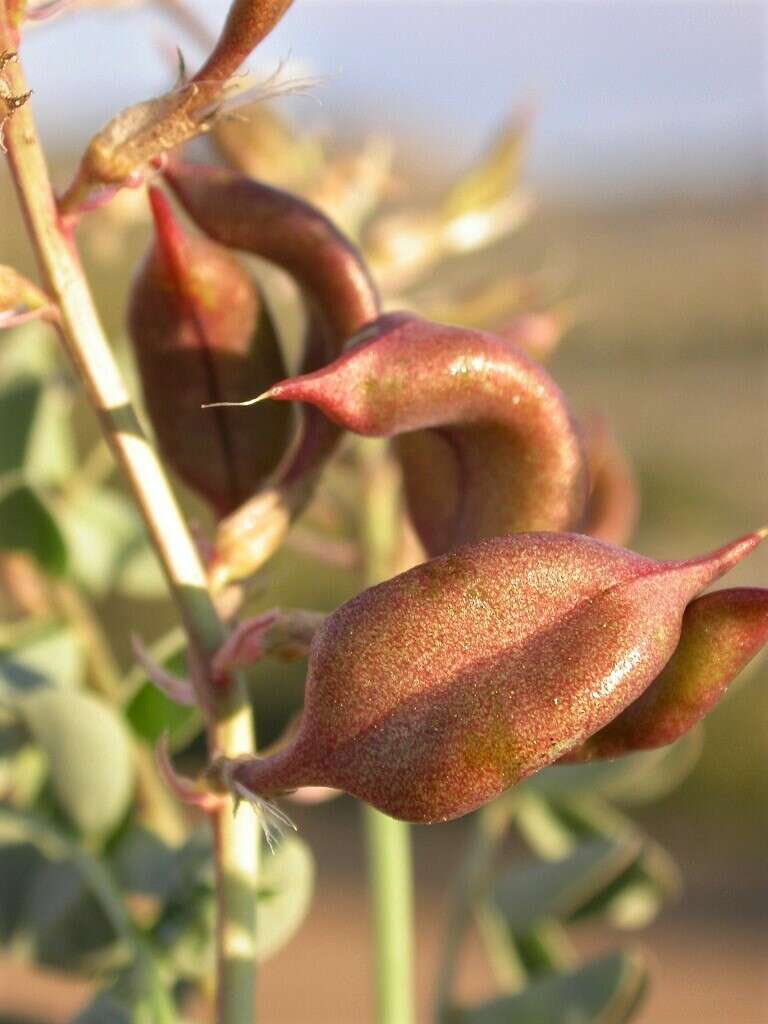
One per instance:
(231, 730)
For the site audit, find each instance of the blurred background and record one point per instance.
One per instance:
(643, 190)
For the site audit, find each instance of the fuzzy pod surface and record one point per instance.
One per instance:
(430, 694)
(721, 633)
(202, 334)
(484, 436)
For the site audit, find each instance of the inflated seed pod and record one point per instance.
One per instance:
(338, 292)
(433, 692)
(484, 436)
(202, 334)
(613, 505)
(721, 633)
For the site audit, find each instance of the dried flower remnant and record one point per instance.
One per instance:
(202, 334)
(486, 441)
(432, 693)
(21, 300)
(142, 134)
(9, 101)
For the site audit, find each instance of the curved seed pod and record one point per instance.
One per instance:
(500, 455)
(248, 22)
(201, 335)
(721, 633)
(432, 693)
(613, 505)
(243, 214)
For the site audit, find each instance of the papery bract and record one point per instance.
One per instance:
(500, 453)
(721, 633)
(202, 334)
(432, 693)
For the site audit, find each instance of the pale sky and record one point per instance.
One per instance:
(632, 95)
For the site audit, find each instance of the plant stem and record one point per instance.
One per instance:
(388, 841)
(231, 730)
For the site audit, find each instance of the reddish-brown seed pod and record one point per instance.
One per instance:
(613, 505)
(721, 633)
(484, 436)
(433, 692)
(248, 22)
(339, 294)
(201, 334)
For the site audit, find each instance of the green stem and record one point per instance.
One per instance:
(389, 874)
(388, 841)
(231, 731)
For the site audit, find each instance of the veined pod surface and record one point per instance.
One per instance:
(485, 438)
(431, 693)
(202, 334)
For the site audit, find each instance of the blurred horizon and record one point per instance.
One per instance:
(632, 99)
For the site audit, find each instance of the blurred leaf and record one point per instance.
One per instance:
(135, 996)
(635, 779)
(604, 992)
(149, 711)
(545, 949)
(66, 920)
(51, 452)
(108, 545)
(89, 755)
(31, 350)
(143, 863)
(19, 402)
(286, 881)
(36, 437)
(637, 895)
(19, 864)
(140, 576)
(493, 177)
(186, 927)
(51, 656)
(556, 889)
(26, 524)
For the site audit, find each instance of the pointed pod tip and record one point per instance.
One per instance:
(726, 557)
(248, 401)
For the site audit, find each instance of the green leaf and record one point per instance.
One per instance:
(66, 920)
(636, 896)
(635, 779)
(149, 712)
(51, 456)
(109, 546)
(51, 656)
(19, 403)
(557, 888)
(27, 524)
(606, 991)
(136, 995)
(19, 864)
(142, 863)
(286, 881)
(89, 755)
